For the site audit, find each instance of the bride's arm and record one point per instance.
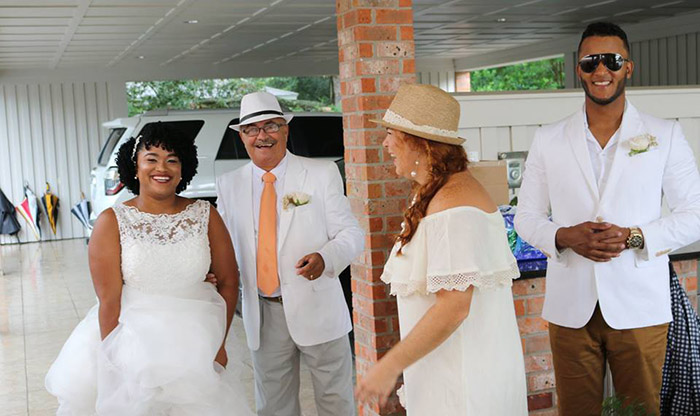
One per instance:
(439, 322)
(104, 255)
(224, 266)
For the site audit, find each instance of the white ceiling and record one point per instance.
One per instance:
(256, 37)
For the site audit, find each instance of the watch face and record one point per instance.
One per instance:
(636, 241)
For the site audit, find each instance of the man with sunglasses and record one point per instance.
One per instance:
(293, 232)
(601, 174)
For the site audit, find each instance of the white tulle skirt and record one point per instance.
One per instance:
(158, 361)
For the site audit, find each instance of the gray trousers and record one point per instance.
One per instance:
(276, 368)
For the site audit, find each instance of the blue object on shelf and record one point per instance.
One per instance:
(521, 249)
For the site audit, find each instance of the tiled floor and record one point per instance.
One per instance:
(45, 291)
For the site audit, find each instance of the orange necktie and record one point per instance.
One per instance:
(267, 237)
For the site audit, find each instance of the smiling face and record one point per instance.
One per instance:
(159, 172)
(266, 150)
(404, 155)
(603, 86)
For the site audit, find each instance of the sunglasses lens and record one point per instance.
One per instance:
(613, 61)
(589, 63)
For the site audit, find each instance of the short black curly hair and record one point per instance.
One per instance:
(162, 135)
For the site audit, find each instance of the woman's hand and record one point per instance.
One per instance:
(211, 278)
(378, 384)
(221, 357)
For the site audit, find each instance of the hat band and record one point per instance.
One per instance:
(393, 118)
(259, 113)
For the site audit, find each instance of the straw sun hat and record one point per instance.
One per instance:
(424, 111)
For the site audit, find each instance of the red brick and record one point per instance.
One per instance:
(519, 307)
(537, 343)
(530, 325)
(369, 85)
(394, 16)
(393, 224)
(408, 66)
(534, 286)
(534, 305)
(540, 381)
(539, 401)
(360, 155)
(375, 3)
(365, 50)
(691, 284)
(364, 190)
(374, 102)
(538, 362)
(406, 32)
(385, 206)
(373, 33)
(347, 69)
(400, 188)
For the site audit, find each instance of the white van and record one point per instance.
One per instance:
(219, 149)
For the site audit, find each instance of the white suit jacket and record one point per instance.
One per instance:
(633, 289)
(315, 311)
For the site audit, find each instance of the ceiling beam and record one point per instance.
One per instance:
(78, 16)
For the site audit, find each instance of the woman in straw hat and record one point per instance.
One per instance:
(451, 270)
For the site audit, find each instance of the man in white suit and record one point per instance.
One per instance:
(601, 174)
(293, 232)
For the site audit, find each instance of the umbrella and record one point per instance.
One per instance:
(680, 386)
(29, 208)
(82, 211)
(8, 218)
(50, 202)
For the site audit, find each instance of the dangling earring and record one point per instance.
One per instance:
(413, 172)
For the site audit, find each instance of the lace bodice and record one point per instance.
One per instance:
(161, 252)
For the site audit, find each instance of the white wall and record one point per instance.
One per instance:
(437, 72)
(502, 122)
(52, 132)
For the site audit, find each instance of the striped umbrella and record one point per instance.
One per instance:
(29, 210)
(50, 202)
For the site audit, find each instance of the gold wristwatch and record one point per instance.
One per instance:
(635, 239)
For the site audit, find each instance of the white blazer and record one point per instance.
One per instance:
(633, 289)
(315, 311)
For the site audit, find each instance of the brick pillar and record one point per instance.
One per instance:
(376, 53)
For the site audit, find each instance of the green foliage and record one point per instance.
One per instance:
(315, 93)
(547, 74)
(614, 406)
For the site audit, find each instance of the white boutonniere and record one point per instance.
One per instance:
(642, 143)
(295, 199)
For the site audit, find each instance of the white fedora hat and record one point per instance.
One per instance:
(259, 106)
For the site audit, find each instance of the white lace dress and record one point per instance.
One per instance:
(479, 370)
(159, 360)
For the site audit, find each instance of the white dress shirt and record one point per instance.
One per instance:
(601, 158)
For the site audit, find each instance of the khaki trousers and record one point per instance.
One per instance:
(636, 357)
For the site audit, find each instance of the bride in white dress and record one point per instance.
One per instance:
(451, 270)
(154, 344)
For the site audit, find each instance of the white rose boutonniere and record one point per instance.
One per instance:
(642, 143)
(295, 199)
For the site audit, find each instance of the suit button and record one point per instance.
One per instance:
(598, 219)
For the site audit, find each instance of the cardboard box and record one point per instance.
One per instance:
(492, 176)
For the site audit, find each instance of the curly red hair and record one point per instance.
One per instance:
(443, 161)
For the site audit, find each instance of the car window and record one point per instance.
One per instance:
(309, 136)
(320, 136)
(112, 140)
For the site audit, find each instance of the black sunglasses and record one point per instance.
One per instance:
(612, 61)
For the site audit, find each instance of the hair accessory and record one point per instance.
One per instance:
(136, 146)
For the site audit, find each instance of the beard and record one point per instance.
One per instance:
(604, 101)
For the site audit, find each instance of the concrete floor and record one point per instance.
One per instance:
(45, 291)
